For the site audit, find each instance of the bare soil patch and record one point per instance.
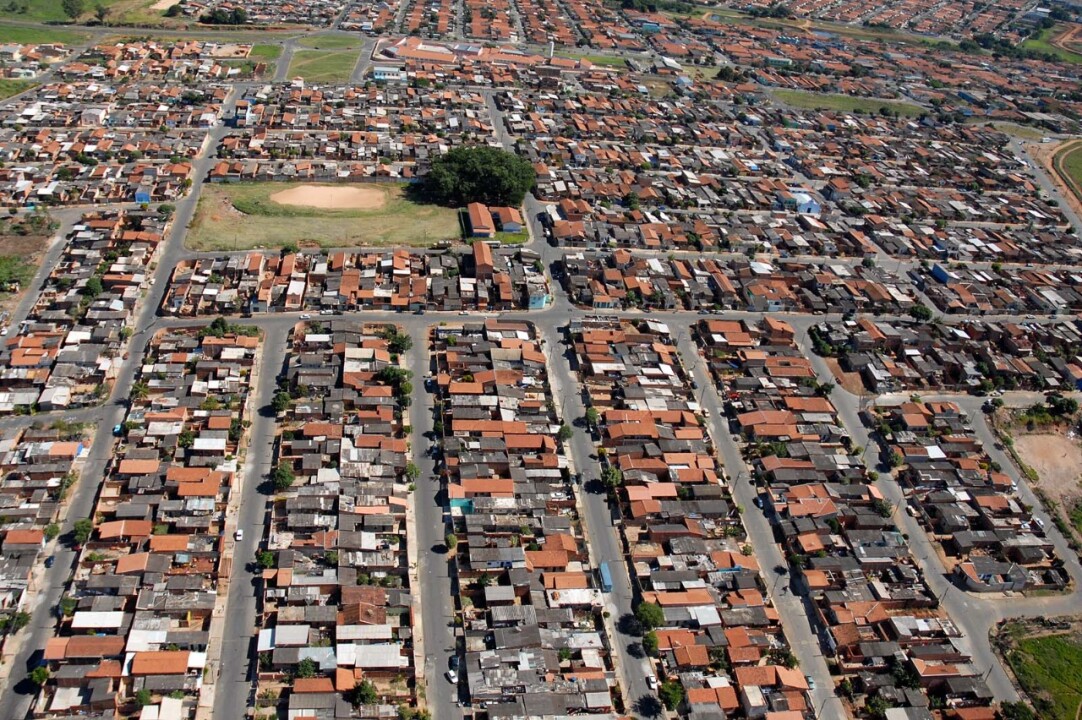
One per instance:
(1058, 462)
(850, 381)
(330, 197)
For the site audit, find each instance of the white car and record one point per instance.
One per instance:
(238, 535)
(306, 316)
(651, 682)
(452, 676)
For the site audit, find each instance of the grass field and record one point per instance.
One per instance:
(14, 87)
(29, 35)
(323, 65)
(330, 42)
(1041, 43)
(1068, 165)
(1021, 131)
(843, 103)
(53, 11)
(242, 215)
(1049, 669)
(602, 60)
(857, 32)
(265, 52)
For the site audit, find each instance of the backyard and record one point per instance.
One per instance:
(360, 214)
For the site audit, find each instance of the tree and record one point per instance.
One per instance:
(73, 8)
(649, 643)
(671, 693)
(650, 615)
(186, 438)
(82, 530)
(101, 12)
(1060, 406)
(921, 313)
(1016, 711)
(39, 675)
(139, 390)
(564, 433)
(93, 287)
(592, 416)
(364, 693)
(280, 401)
(266, 559)
(306, 668)
(412, 472)
(479, 174)
(451, 541)
(143, 697)
(283, 477)
(612, 476)
(51, 531)
(631, 200)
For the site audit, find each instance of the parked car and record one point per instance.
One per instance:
(239, 535)
(452, 663)
(651, 682)
(50, 561)
(452, 676)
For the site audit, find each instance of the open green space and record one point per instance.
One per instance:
(53, 10)
(323, 65)
(602, 60)
(14, 87)
(1025, 132)
(844, 103)
(1072, 165)
(265, 52)
(243, 215)
(1041, 42)
(32, 35)
(856, 32)
(330, 42)
(1049, 669)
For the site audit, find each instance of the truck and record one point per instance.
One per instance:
(606, 577)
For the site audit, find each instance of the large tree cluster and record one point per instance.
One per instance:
(479, 174)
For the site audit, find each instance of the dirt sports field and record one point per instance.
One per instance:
(1070, 39)
(332, 198)
(1058, 462)
(1050, 156)
(239, 216)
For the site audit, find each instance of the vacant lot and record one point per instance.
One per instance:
(844, 103)
(29, 35)
(1048, 667)
(1057, 459)
(330, 42)
(20, 256)
(274, 214)
(323, 65)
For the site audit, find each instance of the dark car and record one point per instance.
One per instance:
(50, 561)
(452, 663)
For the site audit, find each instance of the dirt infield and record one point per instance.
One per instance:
(332, 197)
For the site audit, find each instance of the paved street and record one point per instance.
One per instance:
(234, 684)
(436, 590)
(802, 638)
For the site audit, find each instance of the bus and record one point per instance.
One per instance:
(606, 577)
